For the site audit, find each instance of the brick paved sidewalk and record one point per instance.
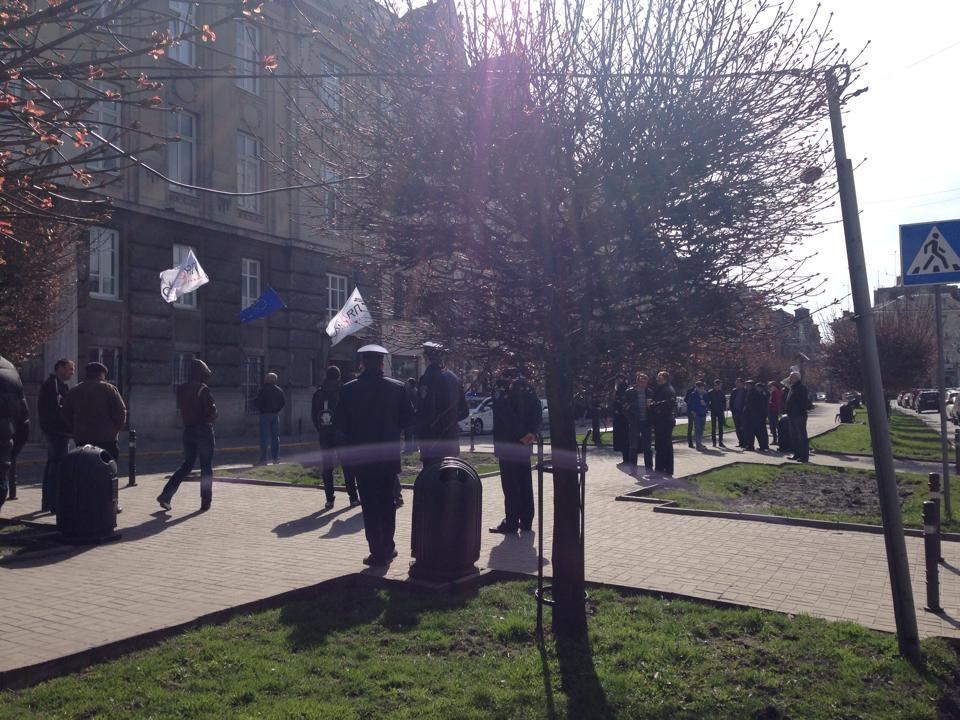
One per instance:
(260, 541)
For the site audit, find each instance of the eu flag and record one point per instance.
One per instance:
(268, 303)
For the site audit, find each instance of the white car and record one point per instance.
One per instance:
(481, 417)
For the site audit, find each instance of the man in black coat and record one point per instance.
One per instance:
(56, 430)
(322, 409)
(638, 424)
(717, 404)
(372, 413)
(738, 409)
(755, 421)
(14, 423)
(517, 414)
(798, 402)
(619, 416)
(662, 409)
(269, 402)
(441, 405)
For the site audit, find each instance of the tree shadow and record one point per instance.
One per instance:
(308, 523)
(586, 697)
(330, 611)
(952, 568)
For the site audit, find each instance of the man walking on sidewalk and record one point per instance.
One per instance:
(324, 406)
(198, 411)
(269, 402)
(56, 431)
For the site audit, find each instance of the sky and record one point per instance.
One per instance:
(903, 135)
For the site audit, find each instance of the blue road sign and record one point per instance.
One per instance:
(930, 253)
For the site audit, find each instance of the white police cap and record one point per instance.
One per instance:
(379, 349)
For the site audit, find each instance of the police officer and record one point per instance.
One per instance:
(14, 425)
(372, 413)
(441, 405)
(517, 414)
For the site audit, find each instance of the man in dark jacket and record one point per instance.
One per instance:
(638, 424)
(441, 405)
(14, 423)
(517, 414)
(95, 411)
(691, 402)
(269, 402)
(662, 408)
(56, 432)
(717, 403)
(738, 409)
(619, 417)
(756, 416)
(198, 412)
(324, 405)
(372, 413)
(798, 402)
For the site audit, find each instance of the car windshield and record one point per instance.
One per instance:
(474, 402)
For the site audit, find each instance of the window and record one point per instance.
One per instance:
(248, 171)
(104, 118)
(181, 367)
(183, 22)
(248, 50)
(250, 379)
(331, 98)
(336, 294)
(249, 282)
(189, 300)
(109, 356)
(104, 263)
(181, 162)
(330, 203)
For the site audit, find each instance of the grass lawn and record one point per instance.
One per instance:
(299, 474)
(911, 438)
(803, 491)
(16, 538)
(363, 653)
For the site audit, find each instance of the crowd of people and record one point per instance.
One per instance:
(644, 418)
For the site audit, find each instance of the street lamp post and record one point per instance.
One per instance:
(903, 605)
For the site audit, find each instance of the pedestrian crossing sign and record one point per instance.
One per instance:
(930, 253)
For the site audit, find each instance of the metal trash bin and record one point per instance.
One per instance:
(87, 494)
(447, 509)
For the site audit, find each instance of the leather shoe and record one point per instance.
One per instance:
(503, 529)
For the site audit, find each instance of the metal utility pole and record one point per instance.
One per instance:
(941, 386)
(903, 607)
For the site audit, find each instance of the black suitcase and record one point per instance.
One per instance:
(87, 494)
(783, 434)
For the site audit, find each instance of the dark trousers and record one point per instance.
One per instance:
(773, 417)
(717, 423)
(269, 436)
(691, 421)
(639, 441)
(663, 440)
(6, 467)
(739, 424)
(757, 430)
(379, 511)
(198, 444)
(798, 431)
(57, 446)
(328, 463)
(516, 479)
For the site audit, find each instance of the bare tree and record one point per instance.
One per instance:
(585, 186)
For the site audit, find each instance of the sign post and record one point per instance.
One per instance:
(930, 255)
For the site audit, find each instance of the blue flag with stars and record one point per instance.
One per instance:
(267, 304)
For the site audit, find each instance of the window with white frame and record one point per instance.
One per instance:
(109, 356)
(183, 22)
(104, 118)
(249, 282)
(104, 263)
(336, 294)
(330, 202)
(252, 373)
(180, 253)
(331, 97)
(181, 154)
(248, 52)
(180, 368)
(248, 171)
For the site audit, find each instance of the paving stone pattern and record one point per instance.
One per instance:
(259, 541)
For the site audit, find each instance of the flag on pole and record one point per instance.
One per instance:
(267, 304)
(352, 316)
(183, 279)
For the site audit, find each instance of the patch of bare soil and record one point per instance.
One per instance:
(845, 493)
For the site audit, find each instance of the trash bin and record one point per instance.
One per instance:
(447, 506)
(87, 494)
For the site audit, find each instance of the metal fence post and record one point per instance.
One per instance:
(132, 451)
(930, 553)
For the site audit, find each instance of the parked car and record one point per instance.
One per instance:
(928, 400)
(853, 399)
(821, 397)
(951, 406)
(681, 408)
(480, 417)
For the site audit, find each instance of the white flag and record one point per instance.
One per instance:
(184, 278)
(352, 316)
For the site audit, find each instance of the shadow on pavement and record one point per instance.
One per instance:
(516, 552)
(308, 523)
(339, 527)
